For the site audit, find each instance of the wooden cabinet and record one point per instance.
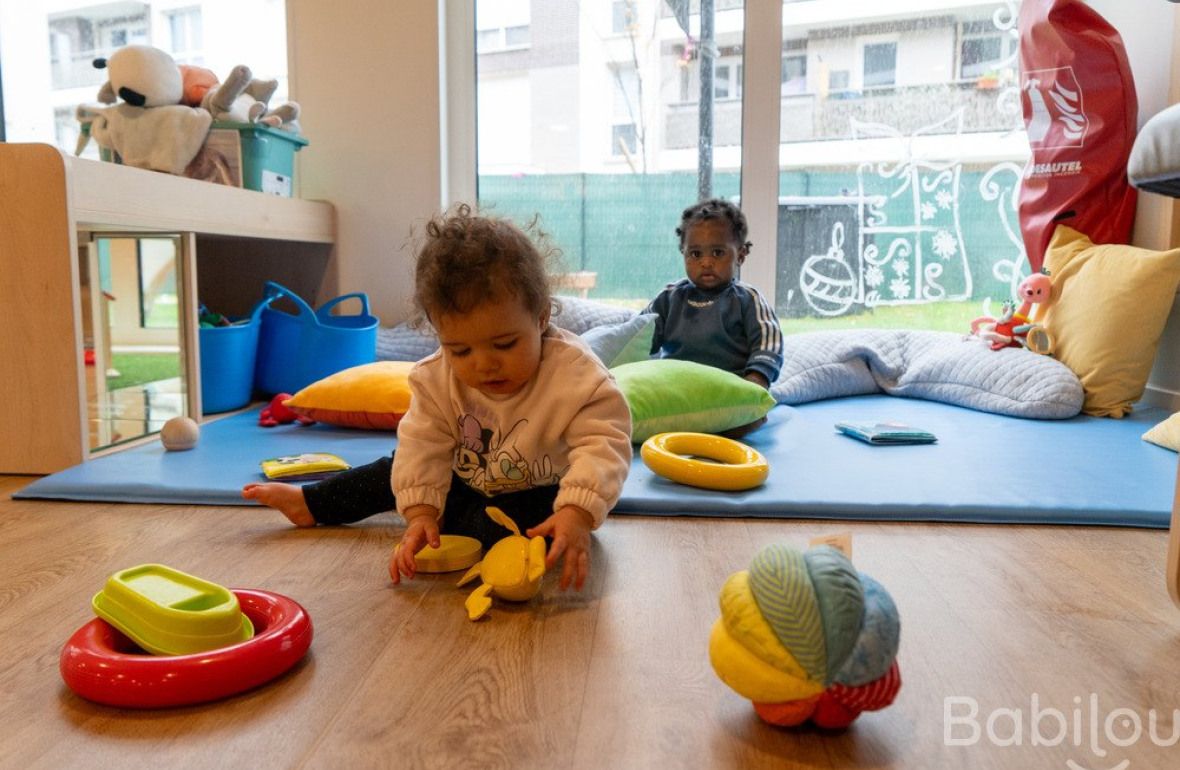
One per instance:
(51, 204)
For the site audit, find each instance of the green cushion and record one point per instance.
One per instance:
(669, 395)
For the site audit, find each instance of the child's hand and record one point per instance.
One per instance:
(570, 530)
(757, 378)
(421, 531)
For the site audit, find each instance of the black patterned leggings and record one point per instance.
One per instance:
(363, 491)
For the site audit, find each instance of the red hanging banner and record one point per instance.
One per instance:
(1080, 111)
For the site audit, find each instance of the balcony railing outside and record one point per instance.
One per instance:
(805, 117)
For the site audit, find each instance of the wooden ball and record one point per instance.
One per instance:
(180, 433)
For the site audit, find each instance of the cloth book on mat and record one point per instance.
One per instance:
(886, 433)
(303, 467)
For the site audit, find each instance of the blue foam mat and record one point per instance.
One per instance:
(984, 468)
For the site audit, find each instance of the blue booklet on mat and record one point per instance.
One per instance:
(886, 433)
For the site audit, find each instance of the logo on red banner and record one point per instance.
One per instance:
(1053, 99)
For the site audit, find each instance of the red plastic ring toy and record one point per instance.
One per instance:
(100, 664)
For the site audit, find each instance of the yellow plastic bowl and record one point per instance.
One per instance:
(169, 612)
(734, 465)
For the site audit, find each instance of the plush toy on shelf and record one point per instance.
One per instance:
(806, 637)
(156, 114)
(149, 128)
(243, 98)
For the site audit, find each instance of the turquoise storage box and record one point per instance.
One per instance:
(228, 355)
(295, 350)
(268, 156)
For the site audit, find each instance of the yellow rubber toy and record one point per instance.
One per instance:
(735, 466)
(512, 568)
(454, 552)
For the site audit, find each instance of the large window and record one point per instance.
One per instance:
(897, 181)
(48, 51)
(601, 131)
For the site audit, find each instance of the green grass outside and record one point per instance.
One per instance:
(935, 316)
(139, 368)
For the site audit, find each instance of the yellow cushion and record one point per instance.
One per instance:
(373, 396)
(1110, 304)
(1166, 433)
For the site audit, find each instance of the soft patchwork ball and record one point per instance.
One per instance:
(806, 637)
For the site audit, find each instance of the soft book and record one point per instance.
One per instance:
(303, 467)
(886, 433)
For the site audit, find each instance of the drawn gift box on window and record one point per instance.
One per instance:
(909, 246)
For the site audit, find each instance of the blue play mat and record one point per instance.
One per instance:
(984, 468)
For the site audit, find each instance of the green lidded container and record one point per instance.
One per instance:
(169, 612)
(267, 155)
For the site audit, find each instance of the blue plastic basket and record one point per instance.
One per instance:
(228, 354)
(297, 350)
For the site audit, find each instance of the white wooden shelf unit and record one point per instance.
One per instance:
(232, 240)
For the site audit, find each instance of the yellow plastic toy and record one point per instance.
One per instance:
(169, 612)
(735, 466)
(454, 552)
(512, 569)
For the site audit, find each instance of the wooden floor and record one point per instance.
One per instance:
(616, 677)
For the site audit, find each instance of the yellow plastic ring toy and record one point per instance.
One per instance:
(735, 466)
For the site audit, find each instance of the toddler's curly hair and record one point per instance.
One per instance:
(715, 208)
(467, 258)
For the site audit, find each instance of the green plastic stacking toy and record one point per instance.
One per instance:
(168, 612)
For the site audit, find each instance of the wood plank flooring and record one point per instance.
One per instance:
(615, 677)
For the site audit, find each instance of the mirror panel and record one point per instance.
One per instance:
(135, 362)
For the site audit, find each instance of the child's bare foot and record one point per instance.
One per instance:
(287, 499)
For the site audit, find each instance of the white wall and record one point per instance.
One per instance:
(366, 73)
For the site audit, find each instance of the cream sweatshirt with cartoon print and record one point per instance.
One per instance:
(569, 426)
